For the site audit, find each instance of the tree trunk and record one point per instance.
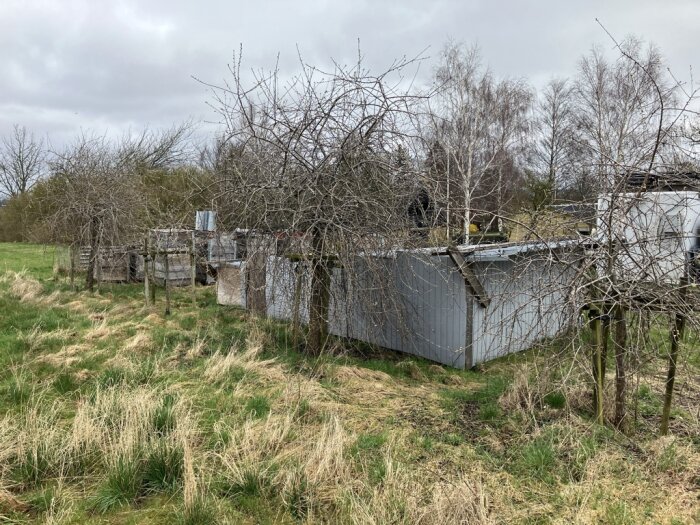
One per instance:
(94, 246)
(597, 329)
(318, 308)
(146, 270)
(71, 271)
(676, 337)
(620, 341)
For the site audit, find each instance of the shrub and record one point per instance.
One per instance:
(164, 419)
(258, 406)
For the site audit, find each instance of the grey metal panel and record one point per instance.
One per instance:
(529, 303)
(417, 303)
(414, 304)
(223, 248)
(205, 221)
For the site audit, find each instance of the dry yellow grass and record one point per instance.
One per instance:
(22, 286)
(221, 365)
(67, 356)
(139, 343)
(428, 466)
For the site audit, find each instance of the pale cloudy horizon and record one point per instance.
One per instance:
(114, 66)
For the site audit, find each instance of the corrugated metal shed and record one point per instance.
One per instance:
(205, 221)
(419, 302)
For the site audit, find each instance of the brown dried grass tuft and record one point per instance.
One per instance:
(23, 287)
(139, 343)
(100, 329)
(10, 503)
(77, 306)
(196, 349)
(350, 374)
(67, 356)
(37, 336)
(462, 501)
(220, 365)
(405, 497)
(153, 319)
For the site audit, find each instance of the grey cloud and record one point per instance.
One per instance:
(110, 66)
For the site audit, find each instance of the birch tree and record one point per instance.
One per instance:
(475, 126)
(553, 147)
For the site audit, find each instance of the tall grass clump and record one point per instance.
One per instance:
(22, 286)
(123, 485)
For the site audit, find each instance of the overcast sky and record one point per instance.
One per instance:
(115, 65)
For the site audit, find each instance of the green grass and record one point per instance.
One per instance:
(257, 406)
(162, 469)
(164, 417)
(201, 512)
(37, 260)
(42, 500)
(367, 442)
(538, 459)
(432, 423)
(124, 484)
(555, 400)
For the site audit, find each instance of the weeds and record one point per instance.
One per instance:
(89, 412)
(162, 469)
(124, 484)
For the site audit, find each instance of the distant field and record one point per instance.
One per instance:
(111, 412)
(37, 260)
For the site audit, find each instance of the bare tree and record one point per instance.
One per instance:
(553, 147)
(475, 127)
(627, 112)
(511, 125)
(159, 149)
(97, 194)
(315, 159)
(22, 162)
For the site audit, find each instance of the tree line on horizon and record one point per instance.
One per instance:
(470, 147)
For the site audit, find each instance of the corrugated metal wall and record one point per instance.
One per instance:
(410, 304)
(418, 304)
(528, 303)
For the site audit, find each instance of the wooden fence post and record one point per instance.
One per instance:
(193, 270)
(676, 338)
(152, 256)
(71, 270)
(597, 328)
(167, 283)
(298, 270)
(146, 268)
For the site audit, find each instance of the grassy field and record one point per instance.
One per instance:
(111, 412)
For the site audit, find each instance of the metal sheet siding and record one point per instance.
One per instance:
(528, 304)
(424, 313)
